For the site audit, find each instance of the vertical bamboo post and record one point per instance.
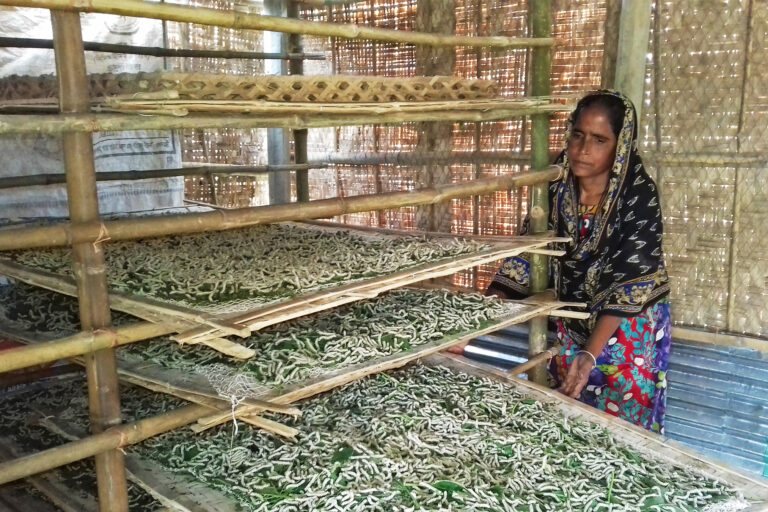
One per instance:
(634, 32)
(88, 258)
(539, 24)
(610, 43)
(435, 16)
(296, 67)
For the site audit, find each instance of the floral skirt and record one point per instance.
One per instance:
(629, 380)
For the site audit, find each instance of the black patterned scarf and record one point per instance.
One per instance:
(618, 267)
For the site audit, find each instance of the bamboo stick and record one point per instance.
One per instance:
(240, 20)
(536, 360)
(565, 313)
(127, 229)
(88, 258)
(540, 25)
(155, 51)
(244, 170)
(54, 125)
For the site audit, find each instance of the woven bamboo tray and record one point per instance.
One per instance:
(319, 89)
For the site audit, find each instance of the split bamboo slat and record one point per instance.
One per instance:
(239, 20)
(219, 220)
(55, 125)
(183, 107)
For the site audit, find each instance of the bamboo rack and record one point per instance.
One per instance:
(131, 433)
(50, 125)
(324, 300)
(237, 20)
(88, 258)
(64, 234)
(539, 25)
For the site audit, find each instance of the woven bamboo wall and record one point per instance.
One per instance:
(708, 98)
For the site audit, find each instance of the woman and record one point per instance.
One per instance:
(609, 207)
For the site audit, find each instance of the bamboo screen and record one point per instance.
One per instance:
(706, 134)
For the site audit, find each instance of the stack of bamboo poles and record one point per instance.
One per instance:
(86, 232)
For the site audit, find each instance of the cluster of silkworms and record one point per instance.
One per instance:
(260, 264)
(430, 439)
(422, 438)
(321, 343)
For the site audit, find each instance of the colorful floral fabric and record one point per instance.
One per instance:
(630, 378)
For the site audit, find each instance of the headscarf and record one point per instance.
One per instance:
(618, 267)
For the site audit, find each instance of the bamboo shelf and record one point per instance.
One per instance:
(202, 325)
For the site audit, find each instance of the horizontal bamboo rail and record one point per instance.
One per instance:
(239, 20)
(110, 439)
(56, 125)
(79, 344)
(146, 227)
(156, 51)
(203, 170)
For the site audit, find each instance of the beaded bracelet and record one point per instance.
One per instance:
(594, 359)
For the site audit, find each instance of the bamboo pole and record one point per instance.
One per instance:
(208, 170)
(154, 51)
(427, 157)
(610, 43)
(239, 20)
(540, 23)
(127, 229)
(55, 125)
(111, 439)
(88, 258)
(534, 361)
(79, 344)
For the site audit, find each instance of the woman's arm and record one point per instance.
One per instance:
(578, 373)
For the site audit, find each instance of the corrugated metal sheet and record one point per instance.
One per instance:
(717, 401)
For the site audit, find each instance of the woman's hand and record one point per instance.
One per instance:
(578, 375)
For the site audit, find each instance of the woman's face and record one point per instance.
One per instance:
(592, 146)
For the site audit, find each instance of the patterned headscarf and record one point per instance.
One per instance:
(618, 267)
